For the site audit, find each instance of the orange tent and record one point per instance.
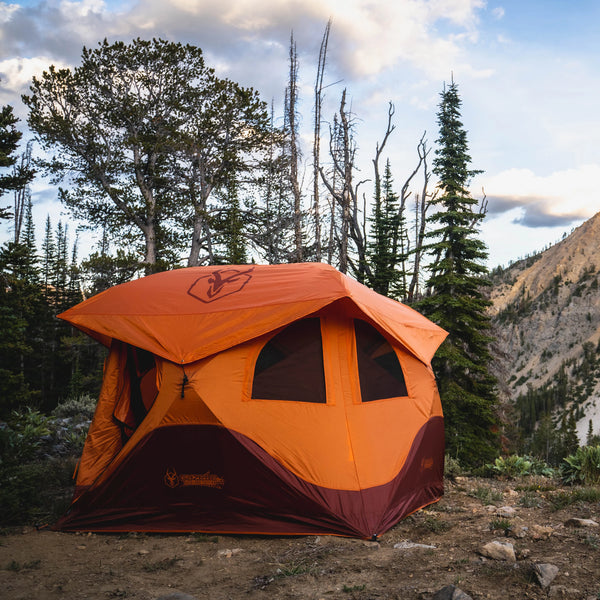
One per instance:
(258, 399)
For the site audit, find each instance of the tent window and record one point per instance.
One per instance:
(379, 370)
(290, 366)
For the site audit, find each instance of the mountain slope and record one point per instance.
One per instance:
(546, 320)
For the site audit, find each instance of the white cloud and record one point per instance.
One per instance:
(557, 199)
(498, 12)
(16, 73)
(82, 8)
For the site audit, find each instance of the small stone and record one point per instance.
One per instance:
(82, 547)
(545, 574)
(506, 511)
(411, 545)
(520, 531)
(229, 552)
(143, 552)
(450, 592)
(541, 532)
(524, 553)
(499, 550)
(581, 523)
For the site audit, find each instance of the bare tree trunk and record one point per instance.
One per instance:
(294, 152)
(422, 203)
(317, 139)
(22, 194)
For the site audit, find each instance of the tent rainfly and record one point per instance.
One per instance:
(279, 399)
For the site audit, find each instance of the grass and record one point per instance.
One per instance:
(16, 566)
(530, 499)
(349, 589)
(500, 524)
(487, 495)
(585, 494)
(435, 524)
(293, 569)
(161, 565)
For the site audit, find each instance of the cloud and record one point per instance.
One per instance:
(540, 200)
(367, 37)
(498, 13)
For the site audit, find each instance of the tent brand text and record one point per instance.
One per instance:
(173, 479)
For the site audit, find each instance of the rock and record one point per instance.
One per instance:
(499, 550)
(229, 552)
(506, 511)
(520, 531)
(177, 596)
(545, 574)
(581, 523)
(451, 592)
(411, 545)
(142, 552)
(540, 532)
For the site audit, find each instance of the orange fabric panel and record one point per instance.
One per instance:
(187, 314)
(103, 441)
(342, 445)
(169, 380)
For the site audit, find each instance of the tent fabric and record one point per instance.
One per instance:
(258, 399)
(160, 313)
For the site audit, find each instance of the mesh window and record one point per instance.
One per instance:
(379, 370)
(290, 366)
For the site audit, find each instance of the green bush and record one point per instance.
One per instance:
(452, 467)
(583, 467)
(36, 492)
(22, 437)
(519, 466)
(37, 460)
(79, 408)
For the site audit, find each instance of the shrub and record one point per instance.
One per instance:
(452, 467)
(519, 466)
(22, 437)
(583, 467)
(79, 408)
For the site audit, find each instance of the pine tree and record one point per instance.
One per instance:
(454, 298)
(385, 249)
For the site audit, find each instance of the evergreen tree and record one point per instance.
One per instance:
(454, 299)
(385, 249)
(18, 177)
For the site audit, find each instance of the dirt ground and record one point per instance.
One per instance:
(45, 564)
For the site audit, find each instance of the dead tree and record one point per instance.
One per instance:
(292, 123)
(317, 139)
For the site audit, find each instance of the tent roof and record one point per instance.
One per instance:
(187, 314)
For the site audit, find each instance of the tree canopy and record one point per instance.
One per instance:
(454, 298)
(146, 131)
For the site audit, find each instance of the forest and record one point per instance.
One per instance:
(174, 167)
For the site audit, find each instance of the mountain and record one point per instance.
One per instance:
(546, 321)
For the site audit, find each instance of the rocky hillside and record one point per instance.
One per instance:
(546, 318)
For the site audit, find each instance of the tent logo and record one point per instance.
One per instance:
(172, 479)
(219, 284)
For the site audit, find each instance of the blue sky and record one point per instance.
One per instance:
(528, 73)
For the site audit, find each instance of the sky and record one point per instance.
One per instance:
(528, 74)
